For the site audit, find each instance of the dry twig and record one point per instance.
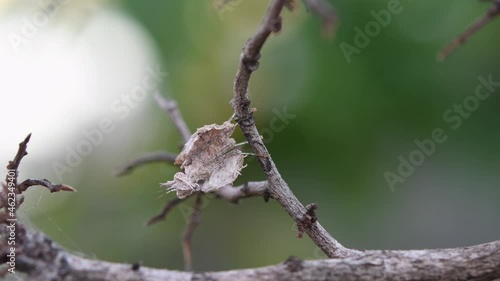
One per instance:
(194, 221)
(170, 106)
(13, 167)
(162, 157)
(325, 12)
(164, 212)
(50, 186)
(493, 12)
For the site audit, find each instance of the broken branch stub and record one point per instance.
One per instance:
(209, 160)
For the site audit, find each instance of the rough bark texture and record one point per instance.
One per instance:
(278, 188)
(45, 261)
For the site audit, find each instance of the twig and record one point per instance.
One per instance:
(278, 188)
(52, 187)
(469, 32)
(164, 212)
(13, 167)
(194, 221)
(249, 189)
(170, 106)
(325, 12)
(229, 193)
(20, 188)
(14, 164)
(33, 182)
(43, 260)
(165, 157)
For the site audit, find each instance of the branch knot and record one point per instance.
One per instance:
(276, 25)
(202, 277)
(307, 220)
(294, 264)
(251, 63)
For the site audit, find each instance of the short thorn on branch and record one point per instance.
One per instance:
(294, 264)
(307, 220)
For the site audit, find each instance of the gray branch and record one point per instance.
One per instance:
(170, 106)
(249, 189)
(154, 157)
(43, 260)
(278, 188)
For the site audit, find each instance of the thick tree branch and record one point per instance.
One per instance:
(278, 188)
(43, 260)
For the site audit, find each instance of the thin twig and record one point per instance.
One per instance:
(170, 106)
(194, 221)
(44, 182)
(164, 157)
(278, 188)
(14, 164)
(469, 32)
(20, 188)
(325, 12)
(228, 193)
(164, 212)
(12, 181)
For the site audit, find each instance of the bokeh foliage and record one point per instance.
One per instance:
(352, 122)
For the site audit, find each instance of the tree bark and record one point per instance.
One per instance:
(44, 261)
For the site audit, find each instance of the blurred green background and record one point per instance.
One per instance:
(352, 121)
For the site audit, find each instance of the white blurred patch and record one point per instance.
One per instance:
(65, 77)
